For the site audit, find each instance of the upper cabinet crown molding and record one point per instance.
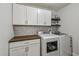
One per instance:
(25, 15)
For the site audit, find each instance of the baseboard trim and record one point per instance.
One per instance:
(74, 54)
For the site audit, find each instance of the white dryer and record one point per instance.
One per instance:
(65, 45)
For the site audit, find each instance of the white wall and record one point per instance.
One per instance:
(6, 30)
(54, 13)
(70, 23)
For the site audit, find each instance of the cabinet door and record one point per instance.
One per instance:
(41, 17)
(32, 16)
(44, 17)
(47, 17)
(19, 51)
(19, 14)
(34, 50)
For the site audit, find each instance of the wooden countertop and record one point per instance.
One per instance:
(23, 38)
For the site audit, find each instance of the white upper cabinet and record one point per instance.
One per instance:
(44, 17)
(25, 15)
(19, 14)
(32, 15)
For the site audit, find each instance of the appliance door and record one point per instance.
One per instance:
(50, 47)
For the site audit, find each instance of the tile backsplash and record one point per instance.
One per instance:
(29, 30)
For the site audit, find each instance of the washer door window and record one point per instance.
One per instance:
(52, 46)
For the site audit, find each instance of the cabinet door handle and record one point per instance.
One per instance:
(44, 22)
(26, 50)
(26, 22)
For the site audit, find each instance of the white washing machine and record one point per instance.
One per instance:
(49, 45)
(56, 45)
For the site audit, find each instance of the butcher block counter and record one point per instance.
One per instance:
(23, 38)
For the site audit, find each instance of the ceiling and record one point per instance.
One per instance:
(51, 6)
